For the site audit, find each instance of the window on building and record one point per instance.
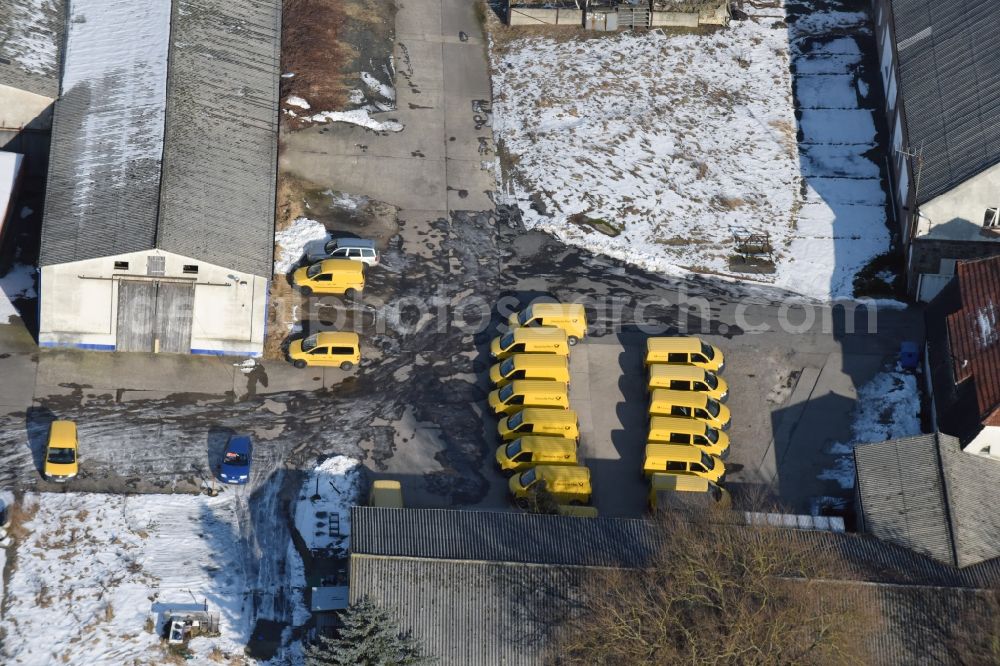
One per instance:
(991, 220)
(191, 269)
(121, 265)
(156, 265)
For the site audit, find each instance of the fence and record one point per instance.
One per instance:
(621, 17)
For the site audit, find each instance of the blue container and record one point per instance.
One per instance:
(909, 355)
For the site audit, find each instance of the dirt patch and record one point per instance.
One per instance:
(312, 50)
(337, 55)
(599, 224)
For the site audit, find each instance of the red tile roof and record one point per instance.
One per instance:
(974, 333)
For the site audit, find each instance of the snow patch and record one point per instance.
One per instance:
(376, 86)
(301, 237)
(888, 407)
(323, 510)
(675, 141)
(94, 567)
(295, 100)
(358, 117)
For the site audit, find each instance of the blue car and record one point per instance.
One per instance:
(236, 460)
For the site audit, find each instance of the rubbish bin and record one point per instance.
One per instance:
(909, 355)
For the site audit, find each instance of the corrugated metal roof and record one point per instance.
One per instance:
(974, 331)
(949, 78)
(499, 536)
(107, 133)
(191, 170)
(471, 613)
(973, 487)
(220, 155)
(926, 494)
(901, 486)
(540, 539)
(30, 36)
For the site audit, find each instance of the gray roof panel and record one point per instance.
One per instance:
(220, 155)
(499, 536)
(949, 70)
(471, 613)
(926, 494)
(30, 37)
(107, 133)
(902, 495)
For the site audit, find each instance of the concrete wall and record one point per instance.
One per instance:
(536, 16)
(926, 253)
(677, 19)
(20, 108)
(958, 213)
(573, 17)
(79, 304)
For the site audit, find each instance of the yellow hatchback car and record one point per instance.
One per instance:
(61, 461)
(326, 349)
(331, 276)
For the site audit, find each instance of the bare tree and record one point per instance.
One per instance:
(718, 593)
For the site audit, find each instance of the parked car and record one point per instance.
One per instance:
(61, 454)
(358, 249)
(236, 460)
(331, 276)
(327, 348)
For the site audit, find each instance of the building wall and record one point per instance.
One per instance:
(901, 176)
(926, 253)
(79, 304)
(20, 108)
(958, 213)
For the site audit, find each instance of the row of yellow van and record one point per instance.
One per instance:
(688, 420)
(538, 430)
(335, 349)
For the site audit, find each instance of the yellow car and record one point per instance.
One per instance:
(61, 462)
(328, 348)
(332, 276)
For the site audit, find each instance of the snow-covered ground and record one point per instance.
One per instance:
(19, 282)
(888, 407)
(323, 510)
(655, 148)
(94, 568)
(301, 237)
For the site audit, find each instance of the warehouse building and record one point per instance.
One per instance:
(158, 230)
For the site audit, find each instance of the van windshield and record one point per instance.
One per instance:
(712, 435)
(713, 407)
(507, 340)
(515, 421)
(513, 448)
(524, 316)
(61, 456)
(707, 350)
(506, 392)
(507, 367)
(528, 478)
(310, 343)
(711, 380)
(314, 270)
(707, 461)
